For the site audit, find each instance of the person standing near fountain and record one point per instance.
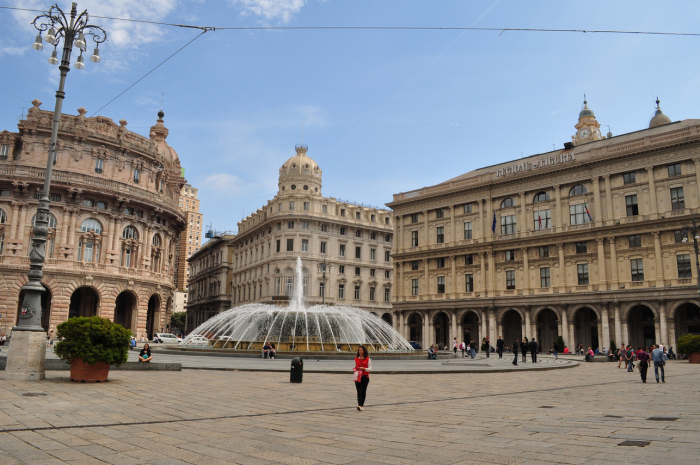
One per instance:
(363, 365)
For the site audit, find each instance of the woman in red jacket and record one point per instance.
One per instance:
(363, 365)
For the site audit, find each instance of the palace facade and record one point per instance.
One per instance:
(114, 220)
(587, 243)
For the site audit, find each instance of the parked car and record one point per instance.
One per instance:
(167, 338)
(198, 341)
(415, 345)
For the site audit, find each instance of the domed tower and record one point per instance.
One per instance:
(659, 118)
(300, 174)
(587, 128)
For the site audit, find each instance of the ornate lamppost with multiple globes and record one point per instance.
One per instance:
(322, 268)
(26, 358)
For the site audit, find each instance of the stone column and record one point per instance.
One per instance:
(562, 269)
(65, 222)
(454, 276)
(492, 323)
(427, 228)
(564, 326)
(572, 335)
(402, 323)
(653, 214)
(399, 240)
(400, 285)
(663, 323)
(625, 331)
(523, 216)
(618, 325)
(528, 328)
(482, 287)
(609, 214)
(526, 271)
(657, 331)
(605, 326)
(426, 330)
(147, 246)
(660, 278)
(613, 264)
(115, 239)
(558, 217)
(482, 219)
(426, 275)
(431, 330)
(602, 280)
(14, 223)
(453, 326)
(492, 275)
(454, 225)
(489, 218)
(697, 177)
(71, 231)
(22, 221)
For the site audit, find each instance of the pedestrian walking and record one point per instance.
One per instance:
(643, 358)
(463, 348)
(533, 350)
(621, 355)
(629, 356)
(657, 355)
(455, 346)
(516, 346)
(523, 349)
(487, 344)
(363, 366)
(472, 348)
(500, 345)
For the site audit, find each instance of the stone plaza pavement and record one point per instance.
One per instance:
(579, 415)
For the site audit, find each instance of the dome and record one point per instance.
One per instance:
(300, 174)
(659, 118)
(158, 135)
(586, 111)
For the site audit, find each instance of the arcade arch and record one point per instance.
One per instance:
(83, 302)
(512, 324)
(470, 328)
(441, 323)
(125, 310)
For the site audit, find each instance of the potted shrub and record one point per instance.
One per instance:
(690, 345)
(91, 345)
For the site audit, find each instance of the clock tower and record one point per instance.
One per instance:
(588, 128)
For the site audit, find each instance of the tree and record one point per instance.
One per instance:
(177, 320)
(560, 344)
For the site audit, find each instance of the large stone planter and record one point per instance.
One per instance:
(694, 358)
(82, 372)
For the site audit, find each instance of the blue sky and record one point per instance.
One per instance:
(383, 111)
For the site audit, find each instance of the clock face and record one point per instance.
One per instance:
(584, 133)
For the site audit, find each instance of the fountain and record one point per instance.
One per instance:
(320, 328)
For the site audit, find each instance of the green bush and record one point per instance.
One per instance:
(613, 347)
(560, 344)
(93, 339)
(688, 344)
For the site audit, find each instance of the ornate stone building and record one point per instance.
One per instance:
(345, 247)
(114, 220)
(584, 242)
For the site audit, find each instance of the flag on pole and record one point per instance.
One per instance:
(585, 205)
(493, 226)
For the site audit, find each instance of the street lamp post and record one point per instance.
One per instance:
(323, 267)
(694, 231)
(26, 358)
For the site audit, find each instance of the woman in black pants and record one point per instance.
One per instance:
(363, 365)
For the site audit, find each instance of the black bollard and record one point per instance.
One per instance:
(296, 373)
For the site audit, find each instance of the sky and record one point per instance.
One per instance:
(382, 111)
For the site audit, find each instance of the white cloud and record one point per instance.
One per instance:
(270, 10)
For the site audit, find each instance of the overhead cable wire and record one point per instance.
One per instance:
(380, 28)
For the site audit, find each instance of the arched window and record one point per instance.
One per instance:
(130, 245)
(3, 220)
(90, 241)
(51, 241)
(156, 240)
(91, 225)
(578, 189)
(507, 203)
(540, 197)
(130, 233)
(156, 253)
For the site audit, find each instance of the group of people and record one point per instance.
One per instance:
(469, 348)
(269, 351)
(655, 353)
(520, 348)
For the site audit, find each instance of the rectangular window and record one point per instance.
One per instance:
(373, 218)
(137, 176)
(290, 245)
(684, 269)
(358, 233)
(544, 251)
(5, 193)
(278, 246)
(674, 170)
(321, 289)
(440, 262)
(635, 240)
(679, 235)
(387, 274)
(577, 214)
(291, 205)
(342, 212)
(288, 286)
(414, 286)
(4, 152)
(508, 224)
(372, 272)
(582, 247)
(582, 270)
(324, 228)
(358, 215)
(306, 206)
(440, 284)
(342, 231)
(324, 208)
(510, 279)
(304, 225)
(99, 164)
(323, 247)
(542, 219)
(467, 208)
(414, 218)
(341, 250)
(357, 292)
(677, 199)
(467, 230)
(387, 256)
(631, 203)
(510, 255)
(358, 252)
(373, 236)
(358, 271)
(387, 237)
(341, 291)
(468, 283)
(88, 203)
(372, 292)
(414, 265)
(414, 238)
(469, 259)
(544, 277)
(387, 295)
(439, 213)
(372, 254)
(102, 205)
(279, 226)
(290, 224)
(629, 178)
(440, 234)
(304, 245)
(637, 266)
(341, 269)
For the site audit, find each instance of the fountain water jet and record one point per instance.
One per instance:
(320, 328)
